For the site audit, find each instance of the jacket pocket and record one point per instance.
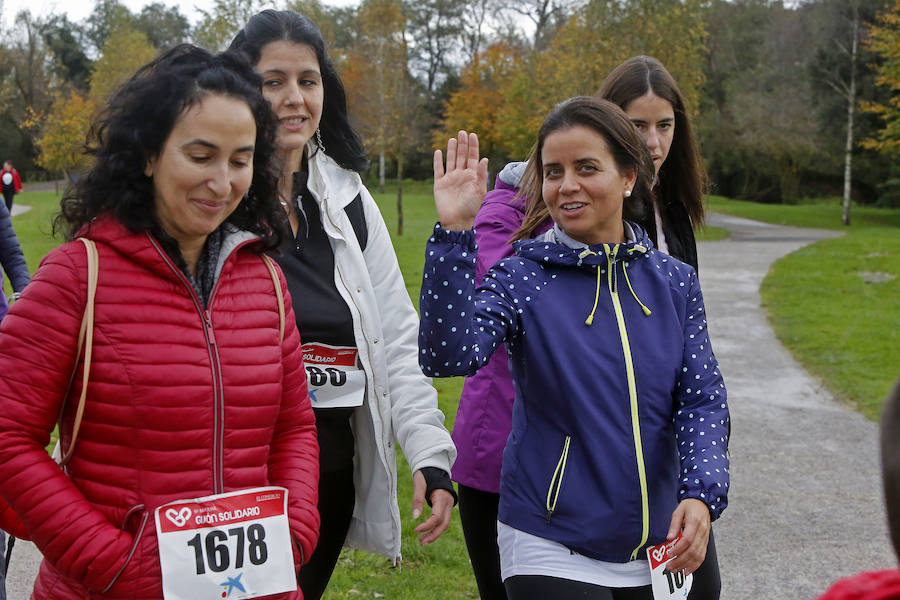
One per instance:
(138, 537)
(557, 479)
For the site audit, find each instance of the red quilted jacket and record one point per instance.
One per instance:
(182, 403)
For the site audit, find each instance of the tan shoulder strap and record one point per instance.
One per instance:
(278, 294)
(85, 341)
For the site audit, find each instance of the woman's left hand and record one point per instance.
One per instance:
(441, 509)
(692, 519)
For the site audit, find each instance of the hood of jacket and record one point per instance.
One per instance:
(108, 230)
(549, 249)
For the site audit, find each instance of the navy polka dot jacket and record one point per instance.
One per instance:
(620, 408)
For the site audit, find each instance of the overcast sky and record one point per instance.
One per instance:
(79, 9)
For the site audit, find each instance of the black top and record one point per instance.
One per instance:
(307, 261)
(677, 228)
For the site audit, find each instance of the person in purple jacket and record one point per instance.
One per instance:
(620, 423)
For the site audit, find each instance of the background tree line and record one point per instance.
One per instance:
(789, 100)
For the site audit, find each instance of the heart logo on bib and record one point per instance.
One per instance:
(658, 553)
(179, 518)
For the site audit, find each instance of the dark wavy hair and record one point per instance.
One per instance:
(340, 140)
(137, 121)
(628, 149)
(682, 177)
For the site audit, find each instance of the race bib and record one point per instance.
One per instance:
(7, 178)
(667, 585)
(235, 545)
(335, 380)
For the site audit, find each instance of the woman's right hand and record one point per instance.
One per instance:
(459, 190)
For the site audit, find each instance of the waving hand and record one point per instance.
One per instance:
(460, 188)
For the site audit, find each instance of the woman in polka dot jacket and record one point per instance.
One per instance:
(620, 425)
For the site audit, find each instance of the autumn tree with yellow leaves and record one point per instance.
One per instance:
(507, 91)
(884, 39)
(61, 145)
(65, 126)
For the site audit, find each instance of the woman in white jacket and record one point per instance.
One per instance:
(356, 320)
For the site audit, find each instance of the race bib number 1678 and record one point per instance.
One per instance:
(231, 546)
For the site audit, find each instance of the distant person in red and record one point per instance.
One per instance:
(12, 185)
(881, 585)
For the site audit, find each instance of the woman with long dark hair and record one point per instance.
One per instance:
(358, 323)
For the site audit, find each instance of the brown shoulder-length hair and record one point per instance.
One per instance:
(628, 149)
(682, 177)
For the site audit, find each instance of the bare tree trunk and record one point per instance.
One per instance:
(851, 104)
(381, 170)
(399, 195)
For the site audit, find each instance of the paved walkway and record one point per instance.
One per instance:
(805, 505)
(18, 209)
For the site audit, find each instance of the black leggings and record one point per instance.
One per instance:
(336, 500)
(478, 515)
(541, 587)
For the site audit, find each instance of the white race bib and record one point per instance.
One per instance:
(231, 546)
(7, 178)
(334, 379)
(666, 585)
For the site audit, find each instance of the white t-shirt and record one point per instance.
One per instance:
(526, 554)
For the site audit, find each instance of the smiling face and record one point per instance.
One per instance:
(655, 120)
(292, 82)
(204, 169)
(582, 185)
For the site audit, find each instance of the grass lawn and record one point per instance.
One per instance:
(836, 304)
(711, 233)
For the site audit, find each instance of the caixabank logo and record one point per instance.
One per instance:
(232, 584)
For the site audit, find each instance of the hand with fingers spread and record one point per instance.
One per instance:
(692, 518)
(460, 187)
(441, 510)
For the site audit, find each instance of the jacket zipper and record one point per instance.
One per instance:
(556, 480)
(632, 394)
(215, 365)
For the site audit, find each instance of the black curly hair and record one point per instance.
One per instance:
(133, 128)
(341, 141)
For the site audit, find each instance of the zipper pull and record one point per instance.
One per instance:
(207, 322)
(548, 516)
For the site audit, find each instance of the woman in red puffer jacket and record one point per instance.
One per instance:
(194, 391)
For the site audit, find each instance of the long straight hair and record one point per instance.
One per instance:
(682, 177)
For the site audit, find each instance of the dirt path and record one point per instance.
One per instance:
(805, 506)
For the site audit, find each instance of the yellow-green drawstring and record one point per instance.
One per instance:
(611, 264)
(644, 308)
(590, 318)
